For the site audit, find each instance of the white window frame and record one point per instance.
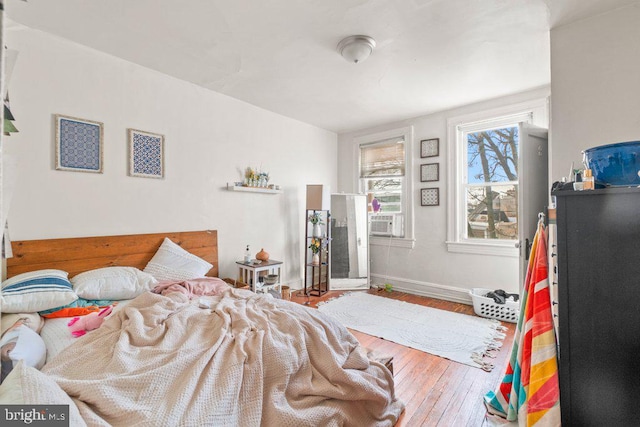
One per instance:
(406, 133)
(534, 112)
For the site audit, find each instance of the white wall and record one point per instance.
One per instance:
(210, 137)
(428, 268)
(209, 140)
(595, 81)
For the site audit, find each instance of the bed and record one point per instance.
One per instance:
(196, 351)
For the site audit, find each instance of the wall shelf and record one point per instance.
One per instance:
(232, 187)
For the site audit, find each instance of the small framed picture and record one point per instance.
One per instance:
(146, 154)
(78, 144)
(429, 172)
(429, 147)
(430, 197)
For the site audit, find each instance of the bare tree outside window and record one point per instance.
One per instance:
(492, 183)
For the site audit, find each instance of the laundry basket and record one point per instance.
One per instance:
(487, 307)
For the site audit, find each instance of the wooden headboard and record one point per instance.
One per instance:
(75, 255)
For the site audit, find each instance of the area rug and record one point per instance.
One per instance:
(459, 337)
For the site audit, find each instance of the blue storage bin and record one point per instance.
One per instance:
(615, 165)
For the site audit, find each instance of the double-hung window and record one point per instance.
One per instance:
(484, 182)
(384, 177)
(382, 170)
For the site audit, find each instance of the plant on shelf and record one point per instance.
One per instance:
(315, 245)
(318, 245)
(316, 218)
(254, 178)
(249, 174)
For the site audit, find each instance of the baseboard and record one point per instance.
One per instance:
(294, 285)
(433, 290)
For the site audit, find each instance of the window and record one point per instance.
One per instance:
(382, 171)
(383, 175)
(491, 183)
(484, 181)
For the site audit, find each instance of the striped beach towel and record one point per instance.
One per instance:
(530, 391)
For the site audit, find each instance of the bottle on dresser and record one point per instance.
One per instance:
(588, 182)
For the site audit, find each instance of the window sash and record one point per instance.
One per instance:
(506, 229)
(382, 193)
(489, 184)
(465, 141)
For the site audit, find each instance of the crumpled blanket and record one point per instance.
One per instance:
(192, 287)
(249, 360)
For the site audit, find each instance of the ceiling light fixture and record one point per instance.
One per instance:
(356, 48)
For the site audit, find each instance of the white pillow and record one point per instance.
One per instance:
(171, 262)
(32, 320)
(36, 291)
(28, 386)
(112, 283)
(29, 346)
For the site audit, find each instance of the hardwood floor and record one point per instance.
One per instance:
(436, 391)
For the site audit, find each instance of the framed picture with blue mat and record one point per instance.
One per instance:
(146, 154)
(78, 144)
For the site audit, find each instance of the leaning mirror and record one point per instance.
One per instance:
(349, 242)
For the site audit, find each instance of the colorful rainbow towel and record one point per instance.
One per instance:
(529, 391)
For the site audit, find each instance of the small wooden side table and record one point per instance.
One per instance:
(253, 274)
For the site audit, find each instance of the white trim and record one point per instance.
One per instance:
(534, 112)
(432, 290)
(485, 248)
(349, 284)
(381, 136)
(394, 242)
(407, 186)
(294, 285)
(233, 187)
(486, 124)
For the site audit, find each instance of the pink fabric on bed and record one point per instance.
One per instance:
(204, 286)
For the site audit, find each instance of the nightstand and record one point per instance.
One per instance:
(253, 274)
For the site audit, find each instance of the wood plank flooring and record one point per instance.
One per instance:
(436, 391)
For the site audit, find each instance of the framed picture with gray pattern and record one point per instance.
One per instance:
(429, 172)
(78, 144)
(146, 154)
(429, 197)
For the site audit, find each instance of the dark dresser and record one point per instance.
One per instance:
(599, 306)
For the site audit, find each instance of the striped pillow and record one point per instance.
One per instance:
(36, 291)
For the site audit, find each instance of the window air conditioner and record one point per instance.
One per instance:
(386, 225)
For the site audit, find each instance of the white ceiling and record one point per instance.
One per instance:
(281, 54)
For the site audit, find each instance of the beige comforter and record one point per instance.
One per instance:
(249, 360)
